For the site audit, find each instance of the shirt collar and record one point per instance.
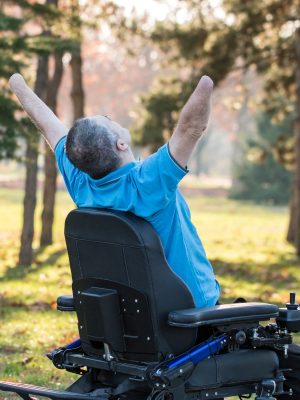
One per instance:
(114, 175)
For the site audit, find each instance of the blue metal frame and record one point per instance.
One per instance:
(73, 345)
(200, 352)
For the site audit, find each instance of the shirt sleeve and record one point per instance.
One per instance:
(70, 173)
(157, 178)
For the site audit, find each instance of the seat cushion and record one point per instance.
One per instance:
(225, 314)
(235, 367)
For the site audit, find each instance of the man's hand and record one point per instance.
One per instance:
(192, 122)
(38, 111)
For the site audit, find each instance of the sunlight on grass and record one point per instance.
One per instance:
(244, 242)
(246, 245)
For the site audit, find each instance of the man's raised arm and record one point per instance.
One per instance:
(192, 122)
(51, 127)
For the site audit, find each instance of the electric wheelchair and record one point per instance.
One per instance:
(140, 335)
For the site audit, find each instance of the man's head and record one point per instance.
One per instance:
(98, 146)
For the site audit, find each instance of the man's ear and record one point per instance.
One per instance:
(121, 145)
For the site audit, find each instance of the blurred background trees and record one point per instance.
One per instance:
(216, 40)
(101, 57)
(46, 30)
(260, 175)
(11, 47)
(138, 62)
(26, 45)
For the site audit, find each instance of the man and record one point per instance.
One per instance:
(99, 169)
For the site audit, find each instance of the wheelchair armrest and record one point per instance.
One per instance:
(65, 303)
(223, 314)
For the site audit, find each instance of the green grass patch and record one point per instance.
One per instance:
(245, 243)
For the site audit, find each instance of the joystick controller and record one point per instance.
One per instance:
(289, 317)
(292, 305)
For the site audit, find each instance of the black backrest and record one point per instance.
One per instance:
(121, 254)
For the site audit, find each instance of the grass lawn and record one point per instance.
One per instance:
(244, 242)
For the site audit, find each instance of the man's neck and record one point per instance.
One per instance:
(127, 157)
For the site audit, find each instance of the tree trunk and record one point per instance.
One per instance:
(26, 253)
(291, 234)
(77, 92)
(50, 163)
(295, 219)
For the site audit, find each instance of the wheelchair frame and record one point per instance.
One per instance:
(122, 352)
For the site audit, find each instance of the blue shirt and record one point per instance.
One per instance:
(149, 189)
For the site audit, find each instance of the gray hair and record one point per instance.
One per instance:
(91, 147)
